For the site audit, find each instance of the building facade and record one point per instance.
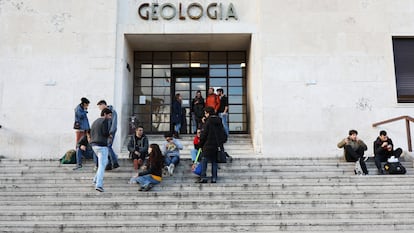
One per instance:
(299, 73)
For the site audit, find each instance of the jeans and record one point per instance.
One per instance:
(144, 180)
(177, 127)
(87, 154)
(113, 156)
(171, 159)
(102, 154)
(194, 154)
(224, 119)
(214, 166)
(193, 123)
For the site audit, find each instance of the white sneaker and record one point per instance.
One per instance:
(171, 169)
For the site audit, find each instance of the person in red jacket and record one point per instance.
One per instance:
(212, 100)
(196, 142)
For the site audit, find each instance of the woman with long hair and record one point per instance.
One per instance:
(152, 170)
(81, 119)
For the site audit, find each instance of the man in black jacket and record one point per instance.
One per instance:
(212, 137)
(384, 149)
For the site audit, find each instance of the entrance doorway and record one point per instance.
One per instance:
(187, 82)
(158, 76)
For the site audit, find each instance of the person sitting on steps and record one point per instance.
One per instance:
(84, 149)
(138, 147)
(152, 170)
(354, 149)
(171, 150)
(383, 150)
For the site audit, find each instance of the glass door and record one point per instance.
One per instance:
(187, 82)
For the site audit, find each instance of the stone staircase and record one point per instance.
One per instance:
(253, 194)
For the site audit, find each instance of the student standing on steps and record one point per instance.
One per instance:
(99, 142)
(81, 119)
(113, 162)
(212, 137)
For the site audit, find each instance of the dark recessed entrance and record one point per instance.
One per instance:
(158, 76)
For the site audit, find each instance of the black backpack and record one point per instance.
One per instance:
(395, 168)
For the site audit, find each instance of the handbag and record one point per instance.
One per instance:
(196, 167)
(221, 155)
(76, 125)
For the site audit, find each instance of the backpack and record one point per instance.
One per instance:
(69, 157)
(394, 168)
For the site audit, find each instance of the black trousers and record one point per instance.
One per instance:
(383, 157)
(352, 156)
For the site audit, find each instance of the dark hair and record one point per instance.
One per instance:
(221, 90)
(105, 111)
(168, 135)
(156, 159)
(101, 102)
(209, 110)
(84, 100)
(139, 126)
(383, 133)
(352, 131)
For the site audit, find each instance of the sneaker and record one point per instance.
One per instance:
(116, 165)
(213, 181)
(147, 187)
(140, 188)
(201, 181)
(99, 189)
(78, 167)
(108, 167)
(229, 159)
(381, 172)
(171, 169)
(95, 168)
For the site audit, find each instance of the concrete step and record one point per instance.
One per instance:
(253, 194)
(274, 225)
(195, 215)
